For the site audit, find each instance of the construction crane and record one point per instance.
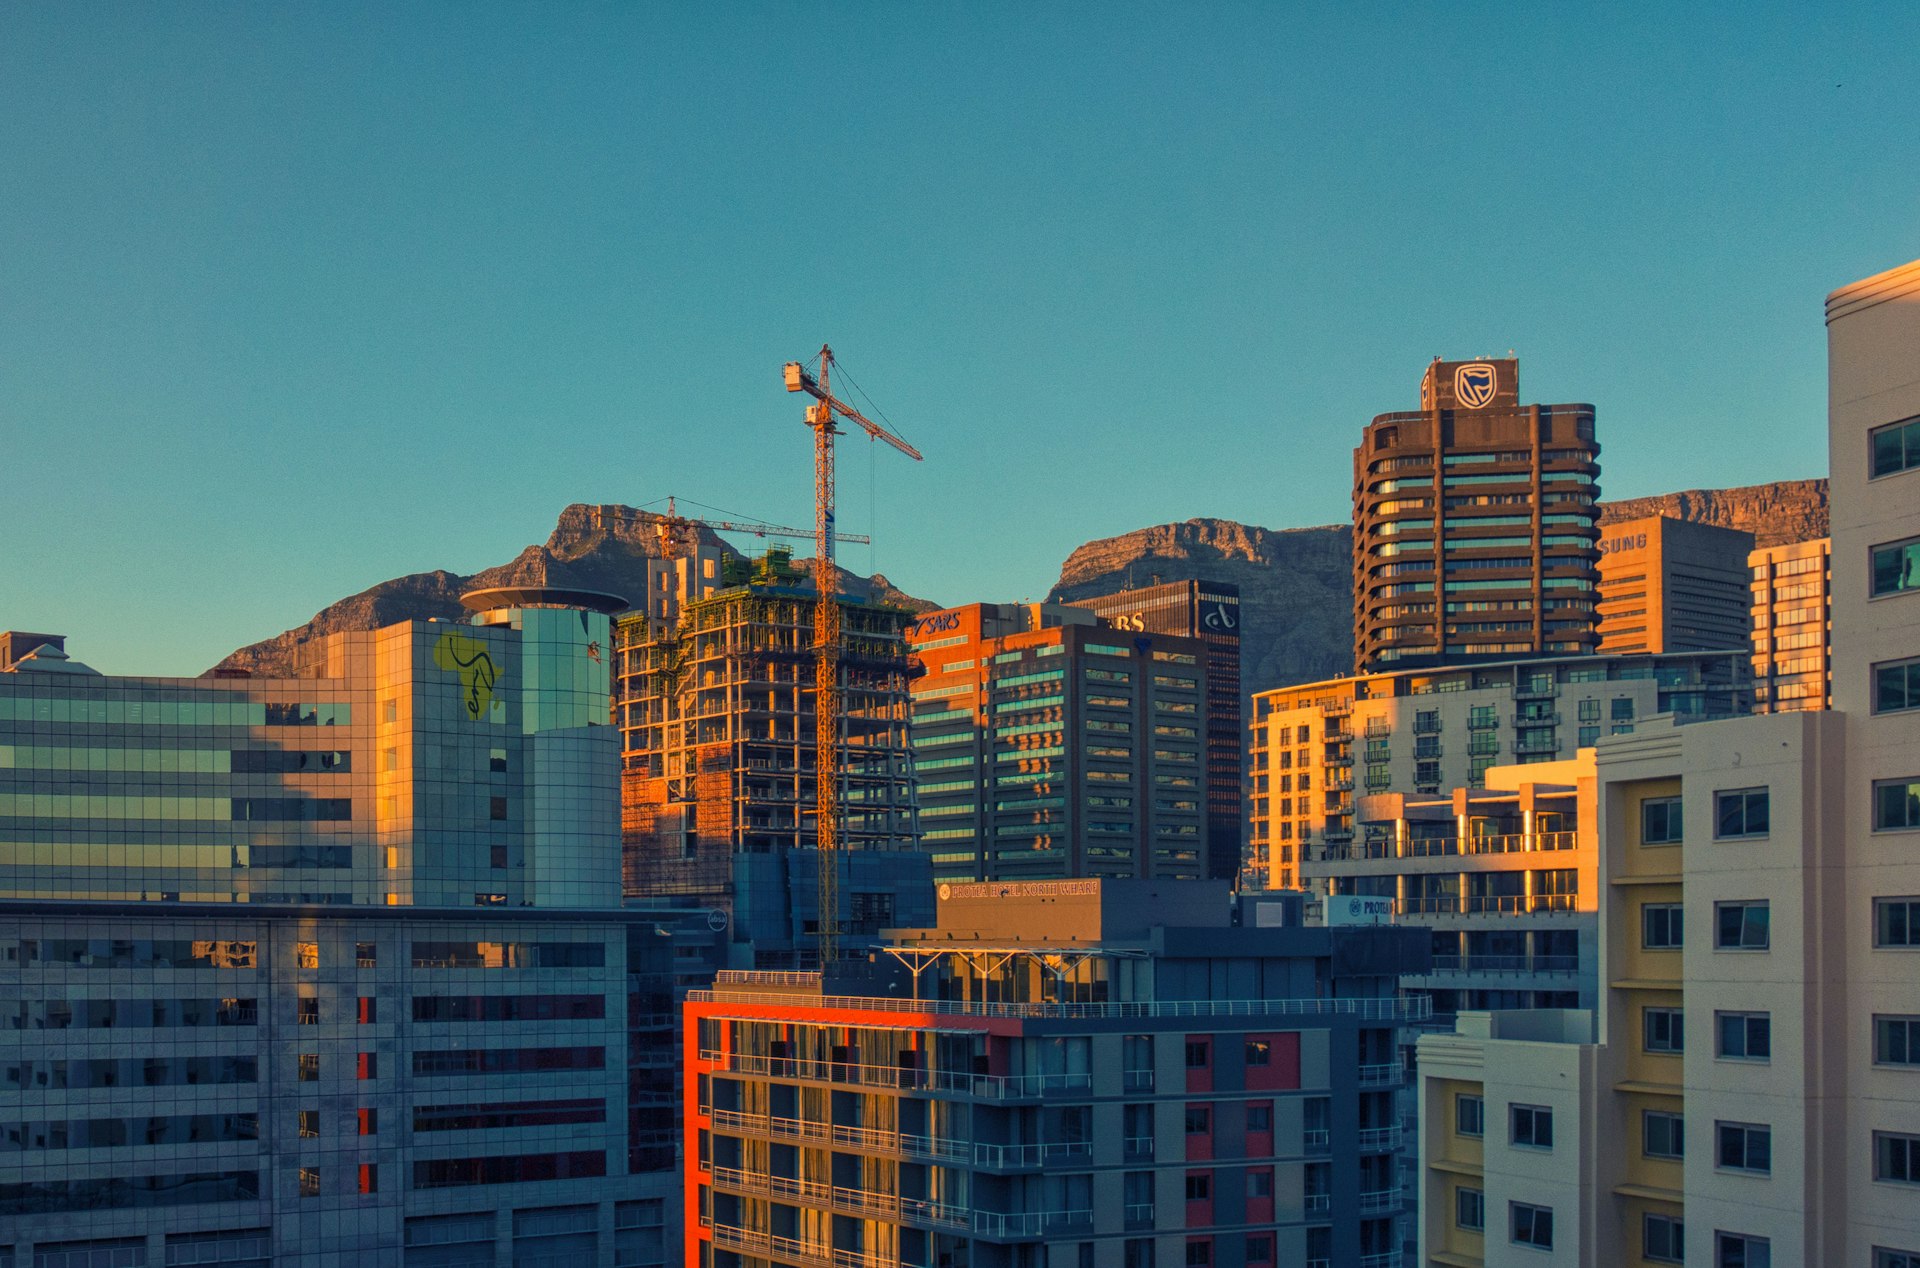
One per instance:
(826, 630)
(671, 525)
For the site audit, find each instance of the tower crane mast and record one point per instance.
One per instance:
(826, 628)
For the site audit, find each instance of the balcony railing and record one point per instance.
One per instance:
(1386, 1074)
(1316, 1140)
(1435, 847)
(1319, 1204)
(1537, 719)
(1535, 690)
(996, 1225)
(1382, 1259)
(1139, 1214)
(767, 1245)
(1486, 904)
(1380, 1201)
(1379, 1008)
(1541, 744)
(1380, 1139)
(1558, 964)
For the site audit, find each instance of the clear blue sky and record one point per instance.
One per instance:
(297, 297)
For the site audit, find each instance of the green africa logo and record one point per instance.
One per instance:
(473, 661)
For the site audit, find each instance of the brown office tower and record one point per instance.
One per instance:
(1210, 612)
(1473, 525)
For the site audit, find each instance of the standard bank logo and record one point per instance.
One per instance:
(1473, 385)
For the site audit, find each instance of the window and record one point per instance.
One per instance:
(365, 955)
(1740, 813)
(1896, 1040)
(1589, 710)
(1660, 821)
(1743, 1147)
(1260, 1248)
(365, 1010)
(1260, 1117)
(1532, 1225)
(1260, 1182)
(366, 1122)
(1740, 926)
(367, 1066)
(1199, 1120)
(1661, 925)
(496, 807)
(1138, 1253)
(308, 1064)
(1621, 709)
(1532, 1125)
(1743, 1036)
(1895, 447)
(306, 955)
(369, 1177)
(1470, 1209)
(1199, 1253)
(1896, 567)
(1469, 1114)
(309, 1124)
(1896, 1158)
(1199, 1054)
(1896, 922)
(1661, 1030)
(1662, 1239)
(1259, 1052)
(1662, 1135)
(1739, 1250)
(1886, 1258)
(309, 1182)
(1896, 804)
(307, 1010)
(1896, 686)
(1199, 1186)
(390, 710)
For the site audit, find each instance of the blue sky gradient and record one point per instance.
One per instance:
(297, 297)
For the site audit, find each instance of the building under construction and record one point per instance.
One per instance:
(717, 723)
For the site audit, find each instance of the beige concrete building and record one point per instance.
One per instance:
(1668, 585)
(1425, 731)
(1792, 626)
(1756, 1057)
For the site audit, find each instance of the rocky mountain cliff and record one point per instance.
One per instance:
(602, 548)
(1296, 585)
(1776, 514)
(1296, 605)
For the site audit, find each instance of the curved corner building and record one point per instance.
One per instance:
(1474, 525)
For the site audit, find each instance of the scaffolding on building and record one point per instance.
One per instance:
(718, 743)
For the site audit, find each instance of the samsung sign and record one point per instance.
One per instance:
(1631, 541)
(1351, 909)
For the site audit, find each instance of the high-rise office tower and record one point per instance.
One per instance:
(1473, 525)
(1048, 745)
(1670, 585)
(329, 968)
(1210, 612)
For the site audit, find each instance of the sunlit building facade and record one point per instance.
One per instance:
(331, 967)
(1474, 531)
(1792, 598)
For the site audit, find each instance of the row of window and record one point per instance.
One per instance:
(1744, 925)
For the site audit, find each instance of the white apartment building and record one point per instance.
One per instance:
(1754, 1074)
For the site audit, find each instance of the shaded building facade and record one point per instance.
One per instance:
(1474, 525)
(1210, 612)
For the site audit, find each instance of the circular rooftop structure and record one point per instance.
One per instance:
(495, 597)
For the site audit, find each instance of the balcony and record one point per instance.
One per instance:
(1318, 1204)
(1338, 735)
(767, 1245)
(1336, 708)
(1536, 719)
(1383, 1259)
(1486, 905)
(1448, 847)
(1138, 1214)
(1007, 1226)
(1377, 730)
(1532, 743)
(1557, 965)
(1340, 783)
(1380, 1201)
(1316, 1140)
(1380, 1139)
(1387, 1074)
(1536, 690)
